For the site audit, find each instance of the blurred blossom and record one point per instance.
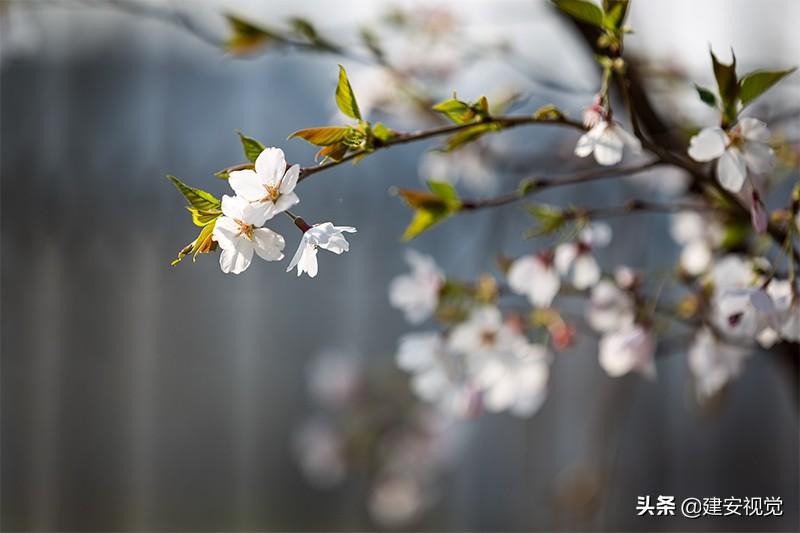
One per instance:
(628, 349)
(318, 447)
(575, 259)
(786, 304)
(699, 236)
(438, 375)
(606, 141)
(334, 377)
(417, 293)
(535, 276)
(463, 166)
(396, 500)
(610, 308)
(713, 363)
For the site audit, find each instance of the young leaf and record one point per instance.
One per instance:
(430, 208)
(422, 220)
(252, 148)
(381, 132)
(754, 84)
(324, 136)
(444, 190)
(203, 244)
(197, 198)
(456, 110)
(201, 217)
(345, 98)
(615, 11)
(706, 95)
(248, 38)
(581, 10)
(728, 87)
(469, 135)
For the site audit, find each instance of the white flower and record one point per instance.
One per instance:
(630, 348)
(610, 308)
(535, 277)
(606, 140)
(511, 373)
(787, 308)
(743, 312)
(713, 363)
(438, 375)
(743, 146)
(324, 235)
(576, 257)
(270, 186)
(238, 234)
(417, 293)
(514, 378)
(699, 236)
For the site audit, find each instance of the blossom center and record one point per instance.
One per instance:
(488, 337)
(272, 193)
(245, 230)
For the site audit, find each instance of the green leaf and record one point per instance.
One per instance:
(615, 12)
(469, 135)
(345, 98)
(456, 110)
(754, 84)
(202, 217)
(581, 10)
(706, 95)
(381, 132)
(548, 112)
(252, 148)
(197, 198)
(728, 87)
(324, 136)
(430, 208)
(248, 38)
(550, 219)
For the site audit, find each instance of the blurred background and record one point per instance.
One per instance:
(139, 396)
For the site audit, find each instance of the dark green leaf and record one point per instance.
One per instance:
(754, 84)
(469, 135)
(706, 95)
(728, 87)
(201, 217)
(615, 11)
(581, 10)
(252, 148)
(197, 198)
(345, 98)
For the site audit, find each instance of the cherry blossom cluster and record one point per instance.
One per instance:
(262, 193)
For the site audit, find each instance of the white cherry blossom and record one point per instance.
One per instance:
(786, 303)
(575, 259)
(417, 293)
(238, 234)
(745, 146)
(511, 373)
(535, 276)
(270, 186)
(326, 236)
(630, 348)
(699, 236)
(606, 141)
(438, 375)
(713, 363)
(610, 308)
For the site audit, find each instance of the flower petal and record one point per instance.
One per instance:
(586, 271)
(759, 157)
(707, 145)
(731, 170)
(233, 206)
(225, 232)
(753, 129)
(271, 166)
(247, 184)
(564, 256)
(268, 244)
(284, 202)
(608, 149)
(585, 145)
(236, 260)
(289, 181)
